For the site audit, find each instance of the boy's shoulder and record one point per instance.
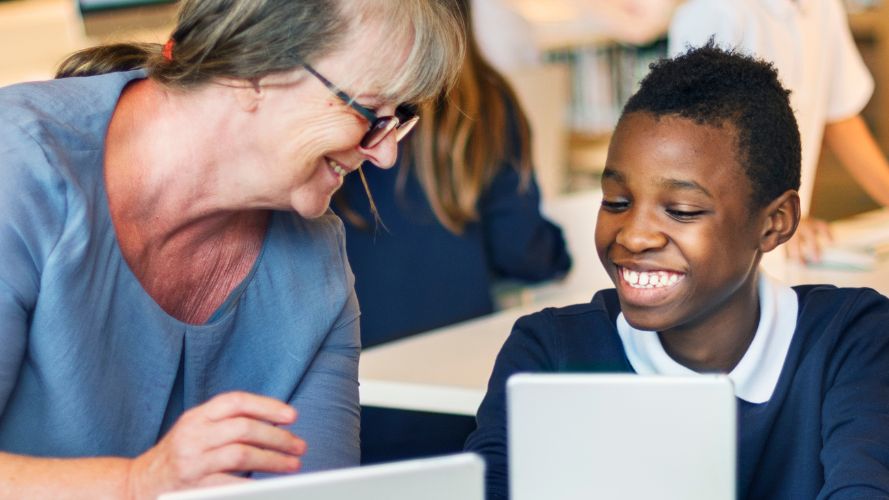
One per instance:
(821, 301)
(604, 304)
(578, 337)
(843, 313)
(835, 300)
(573, 322)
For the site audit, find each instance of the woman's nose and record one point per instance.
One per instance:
(384, 153)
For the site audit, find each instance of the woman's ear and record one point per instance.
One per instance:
(249, 93)
(782, 217)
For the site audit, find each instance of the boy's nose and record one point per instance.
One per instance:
(638, 236)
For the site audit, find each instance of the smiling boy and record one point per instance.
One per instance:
(701, 180)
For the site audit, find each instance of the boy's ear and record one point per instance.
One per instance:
(781, 217)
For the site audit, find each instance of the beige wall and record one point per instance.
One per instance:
(35, 35)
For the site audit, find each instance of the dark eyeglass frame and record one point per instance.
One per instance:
(380, 126)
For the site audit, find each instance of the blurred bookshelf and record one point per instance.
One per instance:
(602, 47)
(603, 76)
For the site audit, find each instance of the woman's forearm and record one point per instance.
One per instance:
(62, 478)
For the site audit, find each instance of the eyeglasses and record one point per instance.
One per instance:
(380, 126)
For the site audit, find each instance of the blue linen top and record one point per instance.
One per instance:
(90, 365)
(414, 275)
(823, 433)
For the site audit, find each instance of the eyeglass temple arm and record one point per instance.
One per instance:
(366, 113)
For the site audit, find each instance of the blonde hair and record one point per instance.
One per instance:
(249, 39)
(464, 137)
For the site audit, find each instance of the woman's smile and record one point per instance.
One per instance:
(332, 173)
(337, 168)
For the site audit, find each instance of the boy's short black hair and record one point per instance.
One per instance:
(713, 86)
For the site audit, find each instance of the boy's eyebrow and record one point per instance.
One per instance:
(684, 184)
(613, 175)
(667, 182)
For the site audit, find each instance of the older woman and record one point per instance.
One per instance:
(173, 288)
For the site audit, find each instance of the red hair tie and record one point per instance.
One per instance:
(167, 52)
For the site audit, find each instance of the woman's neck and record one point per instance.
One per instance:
(169, 158)
(169, 165)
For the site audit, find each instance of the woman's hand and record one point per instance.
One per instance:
(811, 236)
(232, 433)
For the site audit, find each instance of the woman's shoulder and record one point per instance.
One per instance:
(47, 127)
(66, 104)
(50, 162)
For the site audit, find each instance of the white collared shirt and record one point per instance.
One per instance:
(756, 375)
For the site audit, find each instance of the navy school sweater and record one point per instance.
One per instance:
(824, 433)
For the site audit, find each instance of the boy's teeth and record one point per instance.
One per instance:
(650, 279)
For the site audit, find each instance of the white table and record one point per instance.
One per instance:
(447, 370)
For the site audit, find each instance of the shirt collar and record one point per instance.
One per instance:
(756, 375)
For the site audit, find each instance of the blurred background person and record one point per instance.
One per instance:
(511, 33)
(459, 212)
(811, 45)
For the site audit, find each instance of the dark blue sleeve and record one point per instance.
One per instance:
(531, 347)
(519, 241)
(855, 431)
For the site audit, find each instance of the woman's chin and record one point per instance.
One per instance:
(311, 209)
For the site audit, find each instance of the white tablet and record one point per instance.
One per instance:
(439, 478)
(621, 437)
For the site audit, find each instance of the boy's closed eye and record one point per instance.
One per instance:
(615, 205)
(686, 214)
(679, 213)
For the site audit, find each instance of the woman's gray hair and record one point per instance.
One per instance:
(250, 39)
(438, 47)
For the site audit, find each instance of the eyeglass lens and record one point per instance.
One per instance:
(383, 126)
